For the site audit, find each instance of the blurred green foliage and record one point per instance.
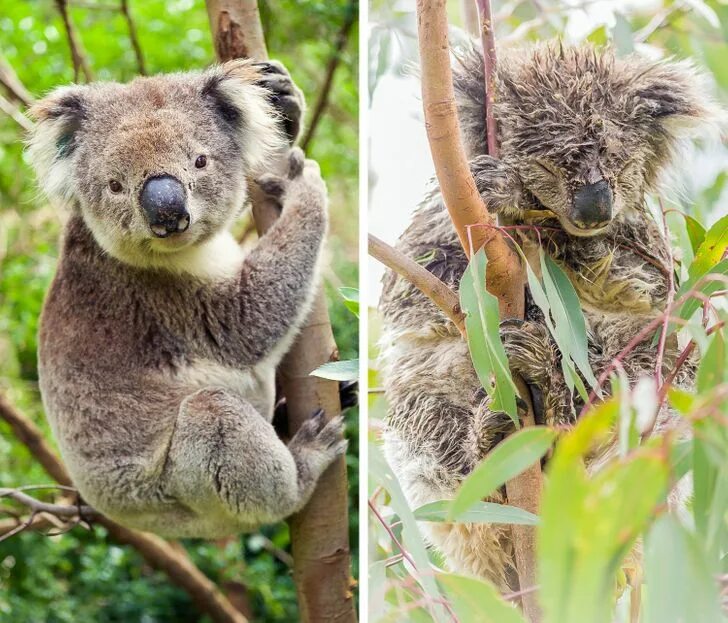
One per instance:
(82, 576)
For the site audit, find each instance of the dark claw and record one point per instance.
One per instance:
(272, 185)
(269, 67)
(349, 394)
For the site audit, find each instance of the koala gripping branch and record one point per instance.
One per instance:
(320, 532)
(476, 229)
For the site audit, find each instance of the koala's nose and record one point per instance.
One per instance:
(593, 205)
(164, 202)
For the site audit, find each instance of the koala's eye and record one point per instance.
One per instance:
(114, 186)
(201, 162)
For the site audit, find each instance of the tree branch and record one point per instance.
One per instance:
(159, 553)
(320, 532)
(9, 79)
(432, 287)
(466, 208)
(78, 56)
(325, 90)
(12, 111)
(133, 37)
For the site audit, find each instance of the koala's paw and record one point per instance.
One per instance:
(318, 442)
(497, 182)
(530, 350)
(302, 179)
(285, 96)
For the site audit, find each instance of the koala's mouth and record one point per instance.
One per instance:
(541, 215)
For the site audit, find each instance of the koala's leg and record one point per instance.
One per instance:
(431, 456)
(225, 457)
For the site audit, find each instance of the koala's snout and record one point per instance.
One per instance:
(592, 206)
(164, 202)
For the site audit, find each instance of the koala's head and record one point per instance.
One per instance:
(588, 132)
(159, 164)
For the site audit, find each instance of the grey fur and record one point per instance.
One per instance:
(567, 117)
(157, 357)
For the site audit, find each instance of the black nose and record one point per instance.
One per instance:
(593, 205)
(165, 204)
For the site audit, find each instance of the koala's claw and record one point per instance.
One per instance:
(272, 185)
(318, 434)
(283, 94)
(296, 161)
(349, 394)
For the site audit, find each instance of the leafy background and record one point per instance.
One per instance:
(82, 576)
(587, 522)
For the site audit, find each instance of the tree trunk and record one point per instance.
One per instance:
(465, 205)
(320, 532)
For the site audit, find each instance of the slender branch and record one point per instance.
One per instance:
(469, 214)
(469, 15)
(342, 37)
(156, 551)
(12, 111)
(489, 57)
(59, 510)
(133, 37)
(320, 532)
(9, 79)
(432, 287)
(78, 56)
(670, 298)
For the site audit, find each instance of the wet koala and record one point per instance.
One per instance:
(159, 339)
(584, 136)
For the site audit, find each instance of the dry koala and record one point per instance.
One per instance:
(159, 339)
(584, 135)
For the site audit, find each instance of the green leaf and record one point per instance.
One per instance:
(482, 323)
(411, 537)
(508, 459)
(711, 250)
(680, 578)
(706, 287)
(480, 512)
(477, 601)
(696, 232)
(590, 521)
(569, 322)
(351, 299)
(347, 370)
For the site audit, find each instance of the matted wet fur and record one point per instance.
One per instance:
(569, 118)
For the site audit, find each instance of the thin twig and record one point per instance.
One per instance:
(342, 37)
(156, 551)
(9, 79)
(133, 37)
(59, 510)
(489, 62)
(670, 298)
(12, 111)
(78, 56)
(432, 287)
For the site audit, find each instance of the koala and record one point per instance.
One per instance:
(584, 136)
(158, 338)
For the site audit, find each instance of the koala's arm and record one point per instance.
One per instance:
(498, 184)
(277, 281)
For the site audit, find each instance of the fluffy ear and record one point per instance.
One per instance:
(676, 95)
(242, 106)
(59, 118)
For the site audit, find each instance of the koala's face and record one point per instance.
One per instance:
(588, 133)
(159, 164)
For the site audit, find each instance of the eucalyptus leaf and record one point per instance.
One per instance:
(482, 322)
(346, 370)
(351, 299)
(477, 601)
(480, 512)
(508, 459)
